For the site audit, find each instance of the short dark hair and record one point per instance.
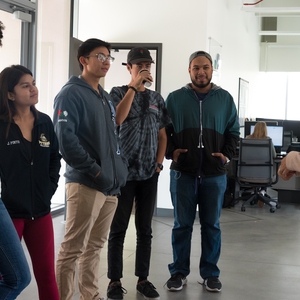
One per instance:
(88, 46)
(1, 33)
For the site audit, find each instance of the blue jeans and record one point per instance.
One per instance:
(14, 270)
(186, 196)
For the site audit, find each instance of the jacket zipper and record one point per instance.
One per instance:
(31, 173)
(104, 101)
(200, 145)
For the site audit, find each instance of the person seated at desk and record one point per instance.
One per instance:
(290, 165)
(261, 132)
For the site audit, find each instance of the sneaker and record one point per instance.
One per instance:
(213, 284)
(147, 289)
(262, 192)
(176, 282)
(115, 291)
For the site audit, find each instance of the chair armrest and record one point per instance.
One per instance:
(277, 162)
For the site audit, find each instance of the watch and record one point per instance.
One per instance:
(160, 166)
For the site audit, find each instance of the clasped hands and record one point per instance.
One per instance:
(177, 152)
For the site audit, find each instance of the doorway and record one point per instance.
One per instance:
(118, 74)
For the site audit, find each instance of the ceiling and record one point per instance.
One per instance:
(286, 13)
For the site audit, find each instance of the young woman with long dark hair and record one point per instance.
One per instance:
(29, 171)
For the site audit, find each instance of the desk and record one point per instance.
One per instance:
(288, 190)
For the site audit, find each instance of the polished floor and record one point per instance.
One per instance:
(260, 257)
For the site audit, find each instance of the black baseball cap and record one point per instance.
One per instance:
(137, 55)
(200, 53)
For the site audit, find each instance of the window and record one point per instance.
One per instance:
(292, 107)
(10, 52)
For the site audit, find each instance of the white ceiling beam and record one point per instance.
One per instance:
(26, 4)
(272, 10)
(266, 32)
(296, 15)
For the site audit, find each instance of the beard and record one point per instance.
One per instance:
(201, 85)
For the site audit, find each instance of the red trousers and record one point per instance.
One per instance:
(39, 238)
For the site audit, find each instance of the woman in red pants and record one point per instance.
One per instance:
(29, 171)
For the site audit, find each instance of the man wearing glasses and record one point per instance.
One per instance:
(84, 120)
(142, 117)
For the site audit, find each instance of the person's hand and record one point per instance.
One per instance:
(158, 170)
(177, 152)
(221, 155)
(147, 76)
(283, 171)
(142, 76)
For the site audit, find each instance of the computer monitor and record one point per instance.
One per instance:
(275, 133)
(288, 125)
(279, 121)
(248, 124)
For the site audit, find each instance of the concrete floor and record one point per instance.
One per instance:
(260, 257)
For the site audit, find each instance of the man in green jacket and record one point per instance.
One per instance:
(201, 141)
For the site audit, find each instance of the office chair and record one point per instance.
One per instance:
(256, 170)
(294, 146)
(287, 140)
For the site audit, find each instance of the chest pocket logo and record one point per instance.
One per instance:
(43, 142)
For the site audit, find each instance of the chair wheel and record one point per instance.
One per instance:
(272, 209)
(278, 205)
(243, 208)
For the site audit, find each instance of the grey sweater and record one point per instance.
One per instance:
(84, 122)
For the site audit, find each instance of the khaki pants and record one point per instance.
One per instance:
(89, 215)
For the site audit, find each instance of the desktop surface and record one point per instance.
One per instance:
(282, 154)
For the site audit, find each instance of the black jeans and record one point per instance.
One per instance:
(144, 195)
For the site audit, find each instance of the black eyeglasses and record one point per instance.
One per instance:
(101, 57)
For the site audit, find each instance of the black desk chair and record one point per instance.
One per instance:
(256, 170)
(294, 146)
(287, 140)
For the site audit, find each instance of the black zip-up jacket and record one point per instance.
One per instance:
(28, 181)
(202, 127)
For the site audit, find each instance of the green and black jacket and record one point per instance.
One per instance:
(202, 127)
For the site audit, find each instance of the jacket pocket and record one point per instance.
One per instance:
(105, 181)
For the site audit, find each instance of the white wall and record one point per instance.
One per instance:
(182, 28)
(53, 63)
